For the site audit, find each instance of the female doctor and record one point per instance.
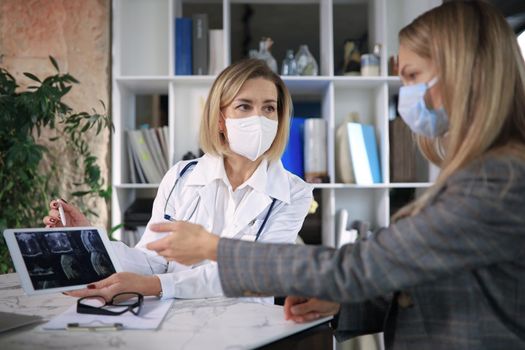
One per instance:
(238, 189)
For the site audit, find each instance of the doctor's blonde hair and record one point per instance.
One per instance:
(222, 93)
(482, 82)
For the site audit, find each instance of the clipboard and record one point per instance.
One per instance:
(153, 312)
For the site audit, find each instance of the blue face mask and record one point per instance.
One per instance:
(414, 111)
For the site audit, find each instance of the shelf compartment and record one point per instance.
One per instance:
(141, 37)
(187, 99)
(360, 81)
(351, 22)
(374, 186)
(145, 84)
(252, 20)
(370, 205)
(306, 85)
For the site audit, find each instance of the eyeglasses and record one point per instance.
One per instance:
(119, 304)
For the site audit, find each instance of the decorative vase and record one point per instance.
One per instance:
(264, 53)
(315, 162)
(289, 66)
(306, 64)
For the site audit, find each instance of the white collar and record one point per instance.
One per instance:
(210, 168)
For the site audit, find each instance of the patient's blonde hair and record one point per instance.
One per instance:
(222, 93)
(482, 81)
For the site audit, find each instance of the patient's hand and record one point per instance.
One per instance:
(301, 310)
(187, 243)
(74, 217)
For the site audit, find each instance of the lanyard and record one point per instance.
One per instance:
(181, 174)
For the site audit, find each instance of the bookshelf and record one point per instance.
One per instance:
(143, 63)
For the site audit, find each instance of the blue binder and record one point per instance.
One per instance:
(183, 46)
(293, 156)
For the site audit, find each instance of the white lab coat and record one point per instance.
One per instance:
(193, 199)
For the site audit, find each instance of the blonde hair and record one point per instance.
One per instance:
(222, 93)
(482, 82)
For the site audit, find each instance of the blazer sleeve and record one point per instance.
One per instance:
(472, 223)
(356, 319)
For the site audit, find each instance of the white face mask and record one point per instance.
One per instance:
(414, 111)
(250, 137)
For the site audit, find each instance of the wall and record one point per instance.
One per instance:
(77, 34)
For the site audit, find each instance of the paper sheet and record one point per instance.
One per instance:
(150, 317)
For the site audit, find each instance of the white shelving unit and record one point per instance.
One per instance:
(143, 63)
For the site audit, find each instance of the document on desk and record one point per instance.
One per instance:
(152, 313)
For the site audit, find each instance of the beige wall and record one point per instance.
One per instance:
(77, 34)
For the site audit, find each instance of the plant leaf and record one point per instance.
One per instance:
(54, 62)
(32, 77)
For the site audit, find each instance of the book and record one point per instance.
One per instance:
(157, 151)
(362, 146)
(134, 163)
(166, 133)
(131, 160)
(200, 45)
(183, 46)
(402, 152)
(152, 150)
(293, 155)
(163, 144)
(216, 51)
(343, 161)
(145, 158)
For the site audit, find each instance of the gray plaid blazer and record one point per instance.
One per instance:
(451, 277)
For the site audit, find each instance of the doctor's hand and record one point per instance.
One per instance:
(120, 282)
(187, 243)
(301, 310)
(74, 217)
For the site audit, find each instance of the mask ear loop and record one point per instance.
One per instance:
(432, 82)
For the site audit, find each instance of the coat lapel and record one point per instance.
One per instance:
(207, 196)
(247, 211)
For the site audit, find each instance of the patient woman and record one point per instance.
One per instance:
(238, 189)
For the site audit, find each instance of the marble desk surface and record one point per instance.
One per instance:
(217, 323)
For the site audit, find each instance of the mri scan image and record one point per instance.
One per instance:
(91, 241)
(64, 257)
(58, 242)
(29, 244)
(101, 264)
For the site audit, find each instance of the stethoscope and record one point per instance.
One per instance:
(181, 174)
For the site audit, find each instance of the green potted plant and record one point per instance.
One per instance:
(27, 182)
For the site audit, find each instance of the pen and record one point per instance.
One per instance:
(93, 328)
(169, 218)
(61, 212)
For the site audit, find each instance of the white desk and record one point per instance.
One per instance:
(218, 323)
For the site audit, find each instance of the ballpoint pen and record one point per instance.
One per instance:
(61, 212)
(94, 328)
(169, 218)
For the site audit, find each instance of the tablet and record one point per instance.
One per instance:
(50, 260)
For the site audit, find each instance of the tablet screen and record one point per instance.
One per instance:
(60, 258)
